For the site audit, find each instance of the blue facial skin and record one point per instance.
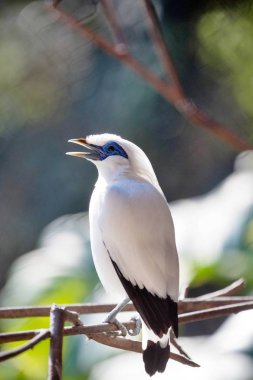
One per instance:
(109, 149)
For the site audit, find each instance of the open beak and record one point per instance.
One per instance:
(92, 154)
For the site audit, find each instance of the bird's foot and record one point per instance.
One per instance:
(135, 331)
(111, 318)
(118, 324)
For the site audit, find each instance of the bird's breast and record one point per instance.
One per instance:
(100, 254)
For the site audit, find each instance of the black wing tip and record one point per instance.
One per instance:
(155, 357)
(159, 314)
(174, 315)
(170, 309)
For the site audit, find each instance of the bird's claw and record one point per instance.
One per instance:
(135, 331)
(121, 327)
(118, 324)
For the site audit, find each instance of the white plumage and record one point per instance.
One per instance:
(136, 236)
(132, 237)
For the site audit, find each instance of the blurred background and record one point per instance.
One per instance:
(55, 85)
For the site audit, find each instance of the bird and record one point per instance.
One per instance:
(133, 240)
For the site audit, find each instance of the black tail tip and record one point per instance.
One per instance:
(155, 357)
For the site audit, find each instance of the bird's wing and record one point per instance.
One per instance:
(138, 234)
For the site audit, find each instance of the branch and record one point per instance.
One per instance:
(204, 307)
(215, 312)
(229, 290)
(57, 317)
(161, 47)
(41, 335)
(44, 311)
(110, 328)
(94, 332)
(194, 304)
(84, 329)
(187, 304)
(120, 44)
(184, 304)
(122, 56)
(172, 93)
(134, 346)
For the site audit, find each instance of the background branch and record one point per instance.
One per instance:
(161, 48)
(173, 94)
(229, 290)
(120, 43)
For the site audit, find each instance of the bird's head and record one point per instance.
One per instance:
(115, 157)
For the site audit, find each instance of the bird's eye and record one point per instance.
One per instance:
(111, 148)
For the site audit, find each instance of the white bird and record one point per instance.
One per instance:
(133, 239)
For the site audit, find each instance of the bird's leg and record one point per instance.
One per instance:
(174, 342)
(111, 317)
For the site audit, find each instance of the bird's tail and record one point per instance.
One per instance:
(155, 357)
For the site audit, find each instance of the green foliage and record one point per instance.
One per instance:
(225, 38)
